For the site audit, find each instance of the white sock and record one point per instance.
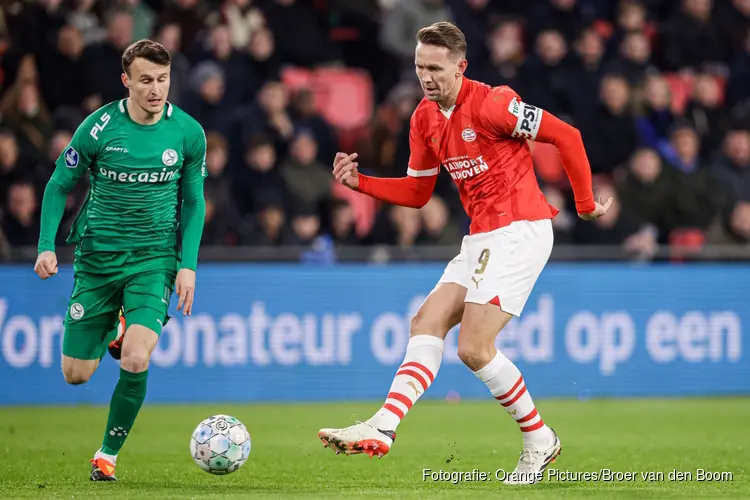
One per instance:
(505, 382)
(424, 353)
(100, 454)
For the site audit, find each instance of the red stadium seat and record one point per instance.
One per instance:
(684, 242)
(344, 97)
(681, 87)
(364, 207)
(547, 162)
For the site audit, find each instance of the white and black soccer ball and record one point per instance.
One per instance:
(220, 444)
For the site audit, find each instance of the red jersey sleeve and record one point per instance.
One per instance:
(422, 160)
(504, 113)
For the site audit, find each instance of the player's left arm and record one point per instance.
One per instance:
(193, 216)
(505, 113)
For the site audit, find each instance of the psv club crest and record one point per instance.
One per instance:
(469, 135)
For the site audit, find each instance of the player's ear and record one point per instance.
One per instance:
(124, 78)
(462, 65)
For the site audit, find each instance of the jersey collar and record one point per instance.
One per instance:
(463, 95)
(123, 101)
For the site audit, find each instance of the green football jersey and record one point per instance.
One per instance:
(136, 172)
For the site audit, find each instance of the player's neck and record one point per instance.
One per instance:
(450, 101)
(141, 116)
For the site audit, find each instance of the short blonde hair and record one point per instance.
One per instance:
(444, 34)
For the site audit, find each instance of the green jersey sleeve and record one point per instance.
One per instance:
(71, 165)
(193, 202)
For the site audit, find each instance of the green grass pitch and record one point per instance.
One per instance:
(44, 451)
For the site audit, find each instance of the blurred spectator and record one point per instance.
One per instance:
(263, 62)
(106, 58)
(691, 38)
(25, 113)
(506, 55)
(437, 228)
(259, 175)
(304, 114)
(21, 224)
(305, 223)
(285, 17)
(738, 86)
(586, 71)
(11, 168)
(343, 227)
(169, 36)
(217, 156)
(564, 16)
(307, 180)
(142, 14)
(733, 228)
(733, 164)
(270, 116)
(705, 112)
(634, 59)
(649, 192)
(219, 49)
(206, 99)
(218, 225)
(544, 76)
(189, 16)
(609, 133)
(269, 226)
(85, 16)
(655, 118)
(734, 21)
(400, 25)
(563, 223)
(682, 149)
(65, 76)
(243, 19)
(617, 227)
(476, 18)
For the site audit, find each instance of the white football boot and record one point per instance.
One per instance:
(533, 461)
(361, 437)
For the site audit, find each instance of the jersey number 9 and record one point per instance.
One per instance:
(484, 258)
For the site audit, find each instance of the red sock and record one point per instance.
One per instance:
(424, 354)
(505, 382)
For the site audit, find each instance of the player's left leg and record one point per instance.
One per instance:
(508, 265)
(146, 300)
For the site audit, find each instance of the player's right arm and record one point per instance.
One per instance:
(414, 190)
(70, 166)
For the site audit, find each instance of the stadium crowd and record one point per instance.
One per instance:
(659, 89)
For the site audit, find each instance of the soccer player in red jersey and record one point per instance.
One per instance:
(479, 135)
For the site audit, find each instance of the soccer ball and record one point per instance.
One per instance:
(220, 444)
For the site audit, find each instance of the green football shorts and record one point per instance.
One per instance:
(140, 282)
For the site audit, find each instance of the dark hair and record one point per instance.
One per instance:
(145, 49)
(444, 34)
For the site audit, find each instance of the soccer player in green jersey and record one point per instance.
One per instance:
(141, 154)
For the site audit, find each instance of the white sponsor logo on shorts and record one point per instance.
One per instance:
(76, 311)
(169, 157)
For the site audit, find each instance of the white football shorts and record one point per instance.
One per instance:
(504, 263)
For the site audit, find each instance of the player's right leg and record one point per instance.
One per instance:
(90, 324)
(441, 311)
